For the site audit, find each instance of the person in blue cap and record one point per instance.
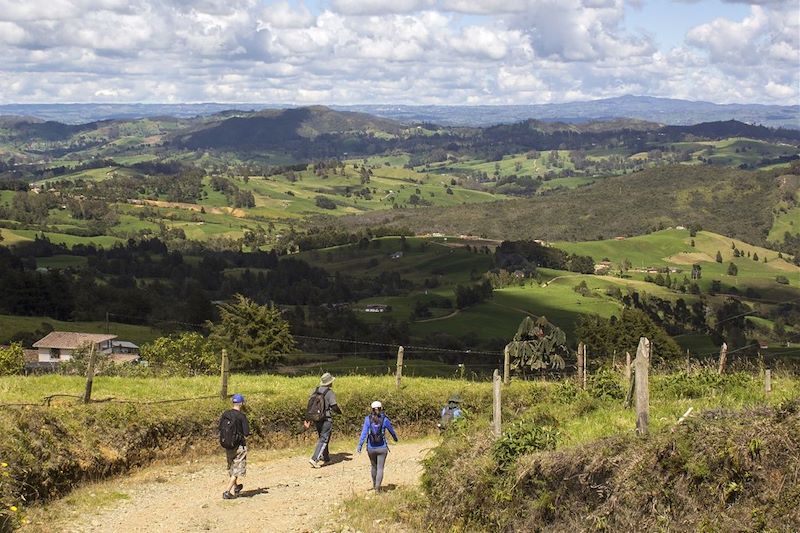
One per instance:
(233, 430)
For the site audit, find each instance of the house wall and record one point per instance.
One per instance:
(66, 354)
(44, 356)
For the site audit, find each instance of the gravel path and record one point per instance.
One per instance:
(280, 493)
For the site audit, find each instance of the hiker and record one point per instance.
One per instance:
(321, 407)
(233, 428)
(374, 432)
(450, 412)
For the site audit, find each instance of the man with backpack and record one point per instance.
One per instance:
(319, 411)
(233, 428)
(374, 433)
(450, 412)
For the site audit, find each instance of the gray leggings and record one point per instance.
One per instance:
(377, 456)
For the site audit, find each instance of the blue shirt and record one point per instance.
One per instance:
(387, 425)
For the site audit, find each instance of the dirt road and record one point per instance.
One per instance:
(281, 493)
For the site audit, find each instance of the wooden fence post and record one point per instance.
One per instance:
(768, 381)
(87, 393)
(585, 365)
(496, 405)
(399, 374)
(580, 364)
(688, 361)
(224, 373)
(642, 373)
(627, 373)
(723, 358)
(506, 365)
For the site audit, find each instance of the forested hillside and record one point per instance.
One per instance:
(732, 202)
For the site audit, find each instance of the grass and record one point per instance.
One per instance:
(583, 420)
(11, 326)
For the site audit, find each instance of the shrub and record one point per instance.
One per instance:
(12, 360)
(324, 202)
(606, 385)
(523, 437)
(186, 354)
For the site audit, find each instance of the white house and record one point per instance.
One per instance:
(58, 346)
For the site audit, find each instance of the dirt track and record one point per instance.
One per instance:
(280, 493)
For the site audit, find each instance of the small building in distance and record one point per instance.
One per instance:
(124, 352)
(58, 346)
(396, 255)
(377, 308)
(603, 267)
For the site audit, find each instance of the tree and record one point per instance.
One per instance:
(755, 256)
(12, 360)
(732, 269)
(719, 257)
(537, 344)
(256, 336)
(183, 354)
(620, 334)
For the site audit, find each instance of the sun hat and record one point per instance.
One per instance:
(376, 405)
(237, 398)
(326, 379)
(455, 398)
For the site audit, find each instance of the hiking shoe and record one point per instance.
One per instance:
(228, 496)
(313, 463)
(237, 489)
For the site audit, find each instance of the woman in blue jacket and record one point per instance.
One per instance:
(375, 425)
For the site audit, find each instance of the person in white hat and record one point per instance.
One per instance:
(321, 407)
(374, 433)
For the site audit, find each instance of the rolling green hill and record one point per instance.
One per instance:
(732, 202)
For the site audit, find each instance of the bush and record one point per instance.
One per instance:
(606, 385)
(523, 437)
(783, 280)
(12, 360)
(324, 202)
(186, 354)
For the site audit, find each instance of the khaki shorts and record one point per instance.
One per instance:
(237, 461)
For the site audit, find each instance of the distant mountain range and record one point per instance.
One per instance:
(661, 110)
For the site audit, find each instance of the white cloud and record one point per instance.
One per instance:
(404, 51)
(379, 7)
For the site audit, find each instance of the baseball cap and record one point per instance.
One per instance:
(238, 398)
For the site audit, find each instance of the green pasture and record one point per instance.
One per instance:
(785, 222)
(518, 164)
(21, 235)
(12, 325)
(388, 185)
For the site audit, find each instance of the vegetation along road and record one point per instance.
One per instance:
(281, 493)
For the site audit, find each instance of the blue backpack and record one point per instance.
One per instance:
(375, 435)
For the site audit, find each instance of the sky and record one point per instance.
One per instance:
(462, 52)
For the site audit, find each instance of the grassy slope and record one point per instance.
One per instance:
(10, 325)
(499, 317)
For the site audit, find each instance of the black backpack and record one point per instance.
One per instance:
(376, 436)
(230, 432)
(315, 410)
